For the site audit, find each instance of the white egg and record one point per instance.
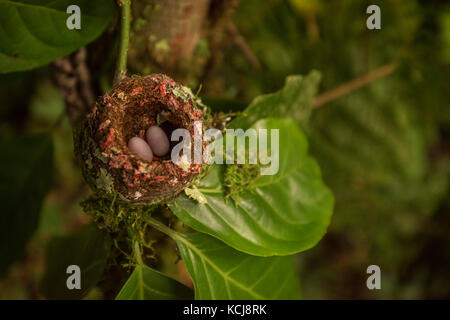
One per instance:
(140, 148)
(158, 141)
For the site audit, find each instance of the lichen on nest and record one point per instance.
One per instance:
(133, 105)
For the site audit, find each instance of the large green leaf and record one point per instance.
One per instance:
(34, 32)
(294, 100)
(25, 177)
(220, 272)
(148, 284)
(280, 214)
(88, 248)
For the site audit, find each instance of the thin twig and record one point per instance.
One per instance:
(124, 39)
(240, 42)
(220, 14)
(354, 84)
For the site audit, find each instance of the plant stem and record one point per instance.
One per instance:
(210, 190)
(124, 39)
(137, 253)
(354, 84)
(161, 227)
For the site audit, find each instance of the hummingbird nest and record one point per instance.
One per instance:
(133, 105)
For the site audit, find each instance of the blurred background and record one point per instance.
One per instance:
(384, 149)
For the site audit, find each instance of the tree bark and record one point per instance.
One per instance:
(170, 34)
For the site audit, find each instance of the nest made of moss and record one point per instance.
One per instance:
(132, 106)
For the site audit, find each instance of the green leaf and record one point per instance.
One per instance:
(148, 284)
(25, 177)
(220, 272)
(294, 100)
(280, 214)
(34, 32)
(89, 249)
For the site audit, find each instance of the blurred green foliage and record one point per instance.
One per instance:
(383, 149)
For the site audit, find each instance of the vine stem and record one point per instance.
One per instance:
(124, 38)
(162, 227)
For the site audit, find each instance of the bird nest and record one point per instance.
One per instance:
(133, 105)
